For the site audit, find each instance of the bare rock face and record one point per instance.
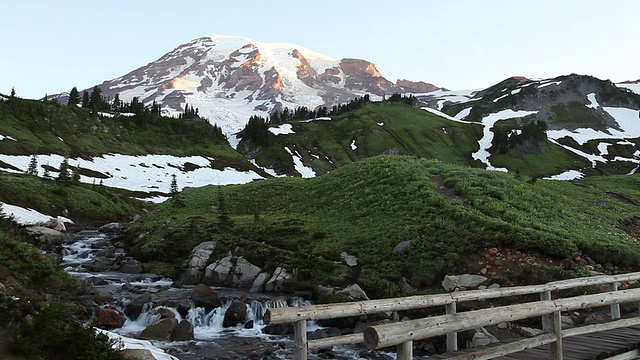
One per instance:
(416, 86)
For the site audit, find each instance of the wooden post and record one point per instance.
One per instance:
(405, 351)
(300, 339)
(547, 322)
(555, 350)
(452, 338)
(615, 308)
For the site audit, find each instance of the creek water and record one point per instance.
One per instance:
(211, 339)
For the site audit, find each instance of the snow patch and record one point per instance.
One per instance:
(322, 118)
(129, 343)
(282, 129)
(305, 171)
(2, 137)
(353, 145)
(25, 216)
(549, 83)
(603, 147)
(463, 114)
(567, 175)
(593, 103)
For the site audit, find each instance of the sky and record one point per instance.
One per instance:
(51, 46)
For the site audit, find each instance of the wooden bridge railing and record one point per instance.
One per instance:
(402, 334)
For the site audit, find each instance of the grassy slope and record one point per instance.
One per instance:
(83, 203)
(38, 128)
(368, 207)
(410, 130)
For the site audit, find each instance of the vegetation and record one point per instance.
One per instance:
(34, 310)
(368, 207)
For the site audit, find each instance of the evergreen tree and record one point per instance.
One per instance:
(75, 175)
(33, 166)
(85, 99)
(13, 92)
(174, 185)
(74, 97)
(95, 100)
(223, 214)
(47, 174)
(63, 171)
(116, 103)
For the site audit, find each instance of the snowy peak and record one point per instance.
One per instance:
(229, 78)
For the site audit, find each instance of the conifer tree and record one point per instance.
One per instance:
(116, 103)
(75, 175)
(33, 166)
(174, 185)
(63, 171)
(85, 99)
(95, 100)
(74, 97)
(13, 92)
(223, 214)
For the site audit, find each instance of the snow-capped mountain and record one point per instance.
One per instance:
(230, 78)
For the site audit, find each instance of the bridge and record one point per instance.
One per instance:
(551, 343)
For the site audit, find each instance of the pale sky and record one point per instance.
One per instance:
(50, 46)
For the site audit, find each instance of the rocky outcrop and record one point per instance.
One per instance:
(416, 86)
(45, 237)
(199, 257)
(218, 271)
(134, 308)
(111, 228)
(183, 331)
(162, 330)
(277, 281)
(355, 292)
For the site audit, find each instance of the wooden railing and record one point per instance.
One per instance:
(402, 334)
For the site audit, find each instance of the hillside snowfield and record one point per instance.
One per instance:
(151, 174)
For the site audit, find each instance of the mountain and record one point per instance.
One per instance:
(230, 78)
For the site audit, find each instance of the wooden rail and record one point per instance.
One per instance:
(402, 334)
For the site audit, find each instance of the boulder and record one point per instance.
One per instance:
(350, 260)
(56, 224)
(183, 331)
(217, 272)
(111, 228)
(137, 354)
(402, 247)
(466, 281)
(199, 257)
(204, 296)
(99, 264)
(258, 283)
(131, 266)
(323, 292)
(355, 292)
(45, 235)
(162, 330)
(244, 273)
(134, 308)
(405, 287)
(277, 281)
(109, 319)
(164, 313)
(236, 314)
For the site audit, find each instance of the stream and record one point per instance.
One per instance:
(83, 251)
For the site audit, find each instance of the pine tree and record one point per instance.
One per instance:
(223, 214)
(33, 166)
(174, 185)
(116, 103)
(95, 100)
(75, 175)
(47, 174)
(13, 92)
(85, 99)
(74, 97)
(63, 171)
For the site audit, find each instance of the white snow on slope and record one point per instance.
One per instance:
(129, 343)
(463, 114)
(2, 137)
(305, 171)
(353, 145)
(567, 175)
(591, 157)
(24, 216)
(593, 102)
(149, 173)
(628, 120)
(282, 129)
(633, 87)
(441, 114)
(487, 135)
(603, 147)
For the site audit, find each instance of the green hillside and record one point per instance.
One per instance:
(39, 127)
(367, 207)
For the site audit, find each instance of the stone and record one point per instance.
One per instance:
(56, 224)
(45, 235)
(566, 321)
(258, 283)
(162, 330)
(109, 319)
(480, 339)
(355, 292)
(530, 332)
(405, 287)
(350, 260)
(204, 296)
(277, 281)
(199, 257)
(236, 314)
(137, 354)
(218, 271)
(183, 331)
(323, 292)
(244, 273)
(134, 308)
(111, 228)
(402, 247)
(164, 313)
(466, 281)
(131, 266)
